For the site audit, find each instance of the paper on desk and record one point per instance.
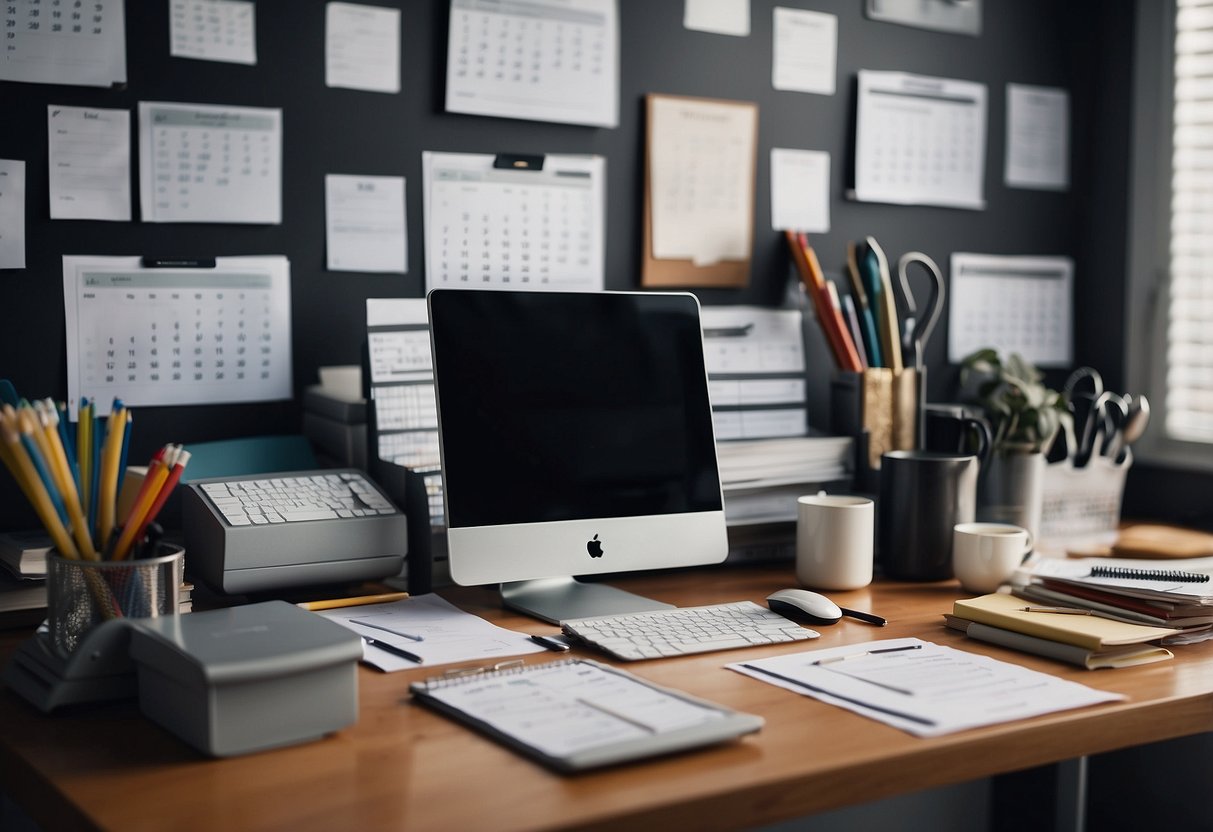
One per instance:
(89, 153)
(928, 690)
(12, 214)
(448, 634)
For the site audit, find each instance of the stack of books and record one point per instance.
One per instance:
(1075, 636)
(23, 577)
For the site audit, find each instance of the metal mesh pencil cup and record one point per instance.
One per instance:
(82, 594)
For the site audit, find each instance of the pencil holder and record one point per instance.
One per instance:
(82, 594)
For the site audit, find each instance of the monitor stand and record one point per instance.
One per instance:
(560, 599)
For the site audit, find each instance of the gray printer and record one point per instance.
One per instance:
(274, 531)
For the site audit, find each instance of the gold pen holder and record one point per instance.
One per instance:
(81, 594)
(880, 408)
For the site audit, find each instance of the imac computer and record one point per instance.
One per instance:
(576, 438)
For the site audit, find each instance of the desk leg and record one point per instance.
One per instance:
(1071, 805)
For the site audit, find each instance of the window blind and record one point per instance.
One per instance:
(1189, 375)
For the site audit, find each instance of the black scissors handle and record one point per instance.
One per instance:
(924, 322)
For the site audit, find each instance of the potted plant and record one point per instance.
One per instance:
(1025, 417)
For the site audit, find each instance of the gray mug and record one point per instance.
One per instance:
(923, 495)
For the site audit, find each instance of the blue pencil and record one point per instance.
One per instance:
(66, 436)
(98, 441)
(31, 449)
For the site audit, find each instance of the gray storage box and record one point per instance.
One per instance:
(247, 678)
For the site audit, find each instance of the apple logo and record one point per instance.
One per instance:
(594, 547)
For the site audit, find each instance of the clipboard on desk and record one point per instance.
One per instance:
(577, 714)
(700, 161)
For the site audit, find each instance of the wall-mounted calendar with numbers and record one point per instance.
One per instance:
(490, 227)
(170, 336)
(64, 42)
(1015, 304)
(201, 163)
(547, 60)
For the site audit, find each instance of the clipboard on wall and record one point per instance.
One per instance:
(700, 162)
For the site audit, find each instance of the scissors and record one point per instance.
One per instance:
(919, 326)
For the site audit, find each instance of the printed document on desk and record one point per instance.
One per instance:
(922, 688)
(431, 628)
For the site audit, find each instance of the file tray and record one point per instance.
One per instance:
(249, 678)
(1081, 505)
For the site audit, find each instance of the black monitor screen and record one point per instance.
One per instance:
(570, 406)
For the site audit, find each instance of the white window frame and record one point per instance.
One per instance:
(1147, 297)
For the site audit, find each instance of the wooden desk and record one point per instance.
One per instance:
(404, 767)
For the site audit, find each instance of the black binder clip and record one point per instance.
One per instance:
(518, 161)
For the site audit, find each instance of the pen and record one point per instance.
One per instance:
(412, 636)
(393, 649)
(1061, 610)
(832, 659)
(358, 601)
(921, 720)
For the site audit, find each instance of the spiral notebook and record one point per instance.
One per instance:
(578, 714)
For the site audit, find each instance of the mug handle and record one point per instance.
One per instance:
(1027, 547)
(985, 440)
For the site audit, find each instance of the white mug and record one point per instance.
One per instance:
(986, 555)
(834, 541)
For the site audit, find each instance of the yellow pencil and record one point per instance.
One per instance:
(41, 499)
(336, 603)
(67, 483)
(107, 488)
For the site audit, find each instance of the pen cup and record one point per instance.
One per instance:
(81, 594)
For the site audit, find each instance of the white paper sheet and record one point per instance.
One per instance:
(701, 179)
(202, 163)
(492, 228)
(362, 47)
(806, 51)
(1038, 138)
(432, 629)
(544, 60)
(12, 214)
(800, 190)
(213, 30)
(83, 45)
(1015, 304)
(920, 140)
(922, 688)
(89, 156)
(721, 17)
(365, 223)
(170, 336)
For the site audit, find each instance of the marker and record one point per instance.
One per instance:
(832, 659)
(393, 649)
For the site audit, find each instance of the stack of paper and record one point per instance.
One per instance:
(1086, 640)
(762, 479)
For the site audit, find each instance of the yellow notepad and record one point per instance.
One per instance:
(1089, 631)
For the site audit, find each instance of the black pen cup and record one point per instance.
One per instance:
(923, 495)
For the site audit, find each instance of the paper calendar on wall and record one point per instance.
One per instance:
(490, 224)
(169, 336)
(1015, 304)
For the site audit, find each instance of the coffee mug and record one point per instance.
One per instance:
(923, 495)
(834, 541)
(951, 429)
(986, 555)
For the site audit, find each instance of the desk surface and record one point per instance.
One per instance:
(405, 767)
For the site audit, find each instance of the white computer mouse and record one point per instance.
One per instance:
(801, 604)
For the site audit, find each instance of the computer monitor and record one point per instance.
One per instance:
(576, 439)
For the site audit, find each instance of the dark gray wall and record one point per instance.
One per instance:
(345, 131)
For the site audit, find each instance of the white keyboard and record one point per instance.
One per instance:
(295, 498)
(677, 632)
